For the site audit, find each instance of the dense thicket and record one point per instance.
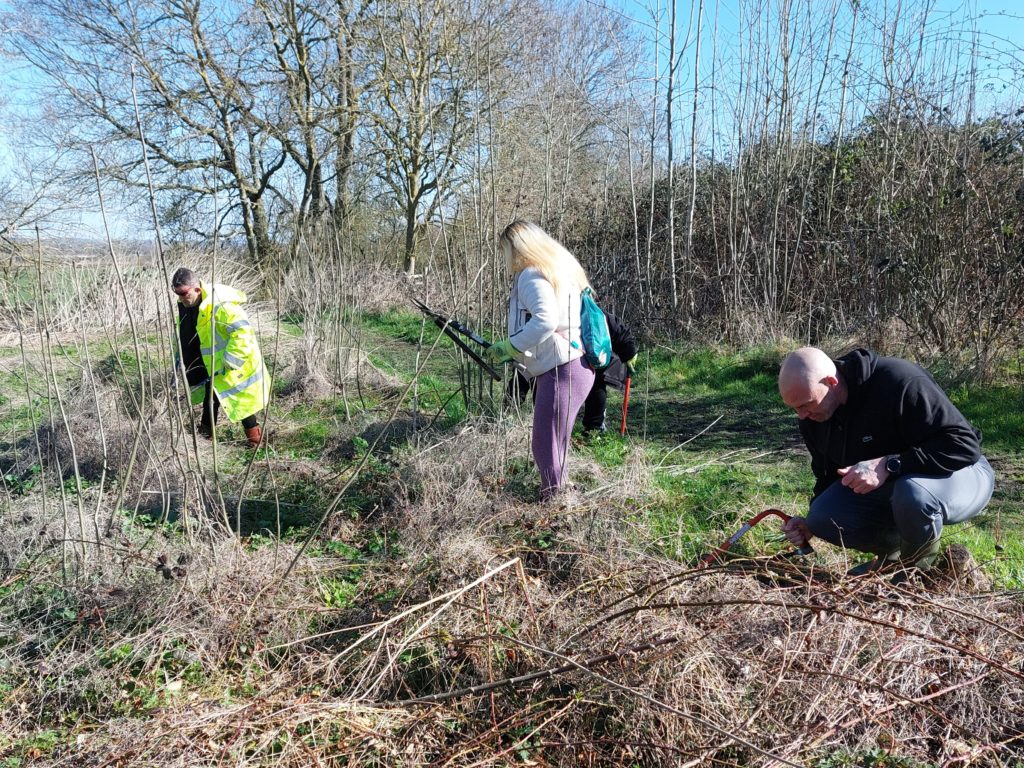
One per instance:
(747, 172)
(907, 236)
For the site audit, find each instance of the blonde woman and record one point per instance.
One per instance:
(544, 338)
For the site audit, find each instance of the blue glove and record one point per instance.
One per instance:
(500, 352)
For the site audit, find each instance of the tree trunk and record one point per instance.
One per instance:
(409, 263)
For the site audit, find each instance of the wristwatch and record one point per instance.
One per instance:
(893, 465)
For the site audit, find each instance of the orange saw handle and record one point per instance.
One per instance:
(711, 557)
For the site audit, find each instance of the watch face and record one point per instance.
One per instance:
(893, 464)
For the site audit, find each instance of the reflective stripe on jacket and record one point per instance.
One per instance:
(231, 353)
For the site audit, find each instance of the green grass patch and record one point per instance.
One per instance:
(18, 413)
(392, 340)
(314, 435)
(442, 398)
(703, 495)
(609, 449)
(399, 324)
(307, 428)
(701, 508)
(750, 374)
(994, 540)
(997, 410)
(718, 400)
(32, 748)
(875, 757)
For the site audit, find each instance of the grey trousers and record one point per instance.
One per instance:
(906, 513)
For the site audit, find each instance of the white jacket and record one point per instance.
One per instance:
(544, 327)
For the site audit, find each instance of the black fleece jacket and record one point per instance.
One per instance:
(892, 407)
(623, 342)
(195, 369)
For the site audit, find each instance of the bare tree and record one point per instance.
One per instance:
(36, 187)
(419, 106)
(190, 64)
(316, 105)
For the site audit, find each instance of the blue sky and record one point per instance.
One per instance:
(963, 41)
(995, 26)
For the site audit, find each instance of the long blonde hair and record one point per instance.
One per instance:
(527, 245)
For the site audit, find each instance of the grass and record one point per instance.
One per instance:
(700, 508)
(310, 427)
(398, 324)
(32, 748)
(723, 400)
(609, 449)
(998, 411)
(382, 330)
(709, 438)
(870, 758)
(437, 397)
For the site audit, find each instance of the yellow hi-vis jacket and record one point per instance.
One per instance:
(231, 353)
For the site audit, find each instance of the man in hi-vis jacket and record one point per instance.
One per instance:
(220, 354)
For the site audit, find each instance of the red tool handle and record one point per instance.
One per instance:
(711, 557)
(625, 406)
(762, 515)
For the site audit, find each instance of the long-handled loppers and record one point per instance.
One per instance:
(452, 328)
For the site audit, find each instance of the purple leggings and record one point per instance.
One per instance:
(560, 395)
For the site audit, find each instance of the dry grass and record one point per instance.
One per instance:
(67, 297)
(147, 644)
(313, 377)
(755, 663)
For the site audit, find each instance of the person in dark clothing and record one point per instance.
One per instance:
(192, 362)
(518, 388)
(624, 351)
(893, 458)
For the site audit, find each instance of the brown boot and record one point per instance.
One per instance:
(254, 435)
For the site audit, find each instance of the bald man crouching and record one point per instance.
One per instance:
(893, 459)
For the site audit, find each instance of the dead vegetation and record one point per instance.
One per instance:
(530, 633)
(440, 615)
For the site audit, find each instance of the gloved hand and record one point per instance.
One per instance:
(500, 352)
(631, 364)
(797, 532)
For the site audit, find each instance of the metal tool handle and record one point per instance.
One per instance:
(451, 328)
(625, 406)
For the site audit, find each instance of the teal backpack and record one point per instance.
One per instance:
(597, 341)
